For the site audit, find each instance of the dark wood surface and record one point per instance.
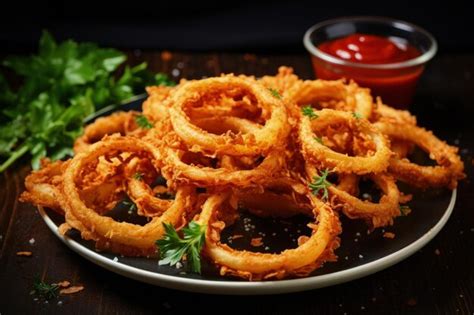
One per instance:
(439, 279)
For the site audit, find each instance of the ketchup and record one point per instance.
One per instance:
(395, 86)
(371, 49)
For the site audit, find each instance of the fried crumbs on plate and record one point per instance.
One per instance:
(256, 242)
(72, 290)
(63, 284)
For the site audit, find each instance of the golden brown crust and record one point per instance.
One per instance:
(248, 145)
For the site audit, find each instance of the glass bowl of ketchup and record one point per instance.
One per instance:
(386, 55)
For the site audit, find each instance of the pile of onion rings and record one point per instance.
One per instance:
(277, 146)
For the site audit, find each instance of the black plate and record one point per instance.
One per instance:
(360, 253)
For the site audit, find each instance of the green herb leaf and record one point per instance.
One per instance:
(357, 115)
(275, 93)
(173, 248)
(320, 140)
(62, 85)
(143, 122)
(320, 184)
(309, 111)
(44, 290)
(138, 176)
(162, 79)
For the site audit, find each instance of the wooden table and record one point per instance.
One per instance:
(439, 279)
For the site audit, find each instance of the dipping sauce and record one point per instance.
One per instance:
(371, 49)
(396, 86)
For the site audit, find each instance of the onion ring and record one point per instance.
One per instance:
(119, 122)
(43, 187)
(300, 261)
(179, 171)
(274, 131)
(154, 107)
(106, 231)
(376, 214)
(342, 163)
(147, 204)
(447, 173)
(219, 145)
(353, 98)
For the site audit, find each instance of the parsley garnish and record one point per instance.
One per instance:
(404, 210)
(138, 176)
(320, 140)
(62, 85)
(173, 248)
(44, 290)
(143, 122)
(275, 93)
(319, 184)
(357, 115)
(309, 111)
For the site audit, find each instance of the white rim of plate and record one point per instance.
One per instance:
(252, 288)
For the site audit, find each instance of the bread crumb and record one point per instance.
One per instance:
(256, 242)
(71, 290)
(389, 235)
(437, 252)
(63, 284)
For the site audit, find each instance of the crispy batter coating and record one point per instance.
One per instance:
(222, 144)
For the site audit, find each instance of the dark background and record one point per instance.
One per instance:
(260, 26)
(439, 279)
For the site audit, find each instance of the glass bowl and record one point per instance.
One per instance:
(394, 82)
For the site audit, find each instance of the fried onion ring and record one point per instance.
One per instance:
(447, 173)
(300, 261)
(147, 204)
(222, 145)
(378, 214)
(104, 230)
(346, 97)
(181, 172)
(342, 163)
(43, 186)
(273, 133)
(120, 122)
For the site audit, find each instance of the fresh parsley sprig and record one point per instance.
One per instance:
(143, 122)
(357, 115)
(45, 290)
(319, 184)
(309, 111)
(173, 248)
(318, 139)
(138, 176)
(275, 93)
(62, 85)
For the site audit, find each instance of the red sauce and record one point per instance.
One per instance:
(371, 49)
(395, 86)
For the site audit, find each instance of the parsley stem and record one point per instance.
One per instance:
(15, 156)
